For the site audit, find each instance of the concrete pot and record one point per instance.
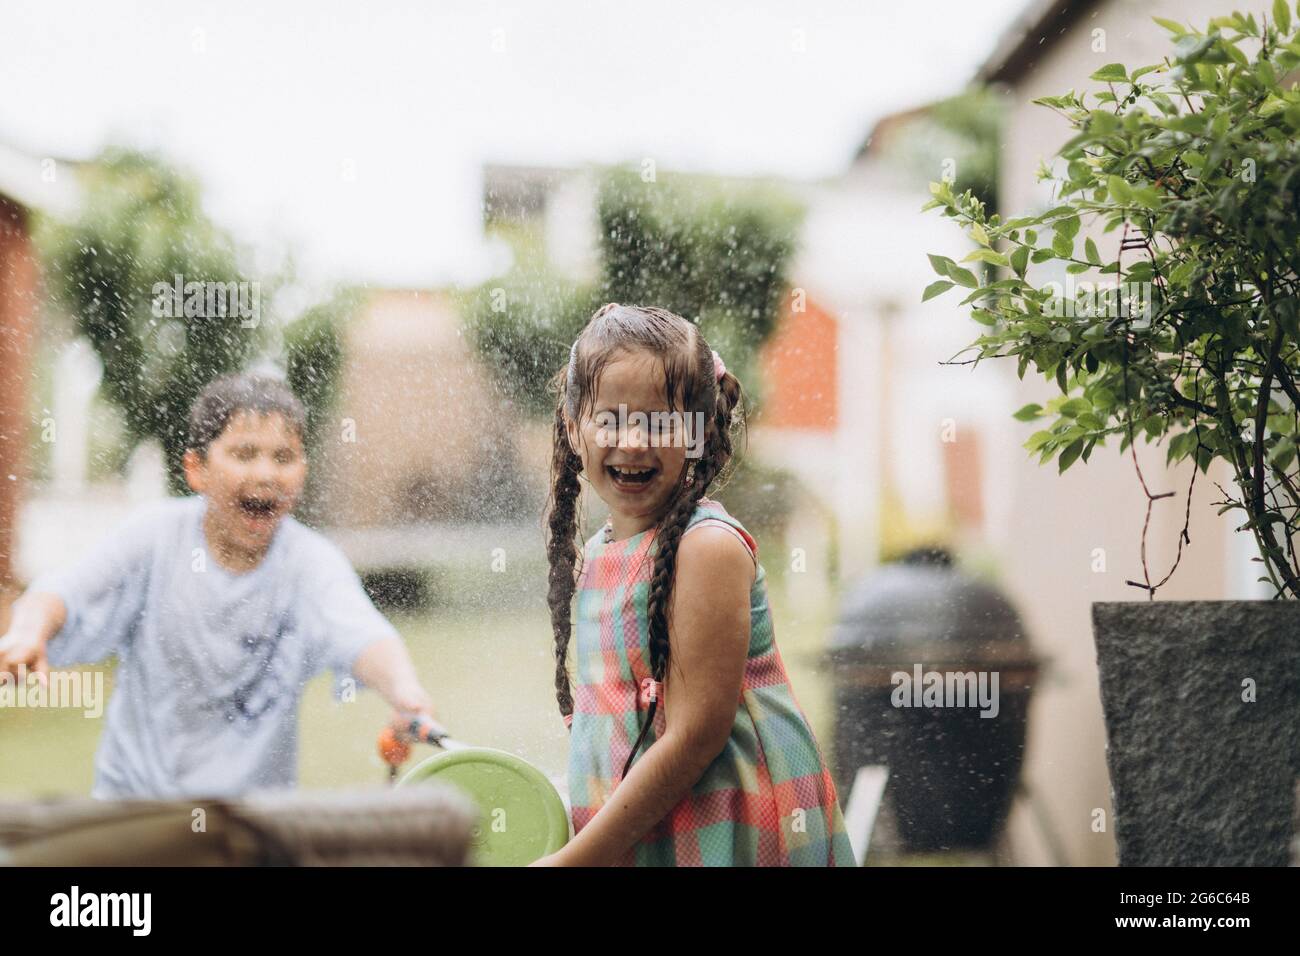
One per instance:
(1199, 775)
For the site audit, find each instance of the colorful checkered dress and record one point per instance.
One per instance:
(768, 798)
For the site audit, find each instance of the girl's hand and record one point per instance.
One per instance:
(552, 859)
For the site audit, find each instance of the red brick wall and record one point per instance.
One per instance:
(963, 476)
(800, 370)
(18, 278)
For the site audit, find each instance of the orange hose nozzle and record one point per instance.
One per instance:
(393, 749)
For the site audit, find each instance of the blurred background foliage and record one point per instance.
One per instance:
(964, 130)
(142, 223)
(313, 347)
(717, 254)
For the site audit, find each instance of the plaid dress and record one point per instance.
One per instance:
(766, 800)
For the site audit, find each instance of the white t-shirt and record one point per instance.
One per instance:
(211, 664)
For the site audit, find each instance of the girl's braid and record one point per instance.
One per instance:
(717, 452)
(562, 551)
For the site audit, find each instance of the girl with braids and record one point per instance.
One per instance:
(687, 746)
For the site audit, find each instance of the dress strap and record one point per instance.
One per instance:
(750, 545)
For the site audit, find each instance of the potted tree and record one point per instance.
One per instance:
(1179, 212)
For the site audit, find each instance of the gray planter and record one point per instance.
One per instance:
(1200, 777)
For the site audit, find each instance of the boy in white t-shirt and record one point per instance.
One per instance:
(219, 607)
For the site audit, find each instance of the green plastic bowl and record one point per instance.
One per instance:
(522, 816)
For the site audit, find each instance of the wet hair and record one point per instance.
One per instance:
(223, 398)
(691, 386)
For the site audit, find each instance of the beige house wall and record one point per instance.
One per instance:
(412, 400)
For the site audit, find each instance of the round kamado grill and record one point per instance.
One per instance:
(952, 772)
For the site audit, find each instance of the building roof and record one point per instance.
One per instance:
(1029, 37)
(514, 192)
(886, 128)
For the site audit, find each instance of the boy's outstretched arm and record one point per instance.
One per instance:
(386, 666)
(36, 617)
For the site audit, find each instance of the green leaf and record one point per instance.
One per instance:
(1020, 260)
(1282, 15)
(962, 276)
(1029, 413)
(1118, 189)
(1283, 453)
(1100, 122)
(1147, 196)
(1285, 458)
(1230, 48)
(1190, 48)
(1180, 446)
(1182, 272)
(1111, 73)
(936, 288)
(987, 255)
(1090, 250)
(1177, 29)
(1068, 456)
(940, 264)
(1103, 399)
(1038, 439)
(1063, 245)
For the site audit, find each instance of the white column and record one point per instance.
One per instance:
(77, 373)
(858, 471)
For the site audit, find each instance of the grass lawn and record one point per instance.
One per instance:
(490, 675)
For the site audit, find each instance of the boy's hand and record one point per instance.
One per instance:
(409, 703)
(34, 619)
(386, 666)
(21, 648)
